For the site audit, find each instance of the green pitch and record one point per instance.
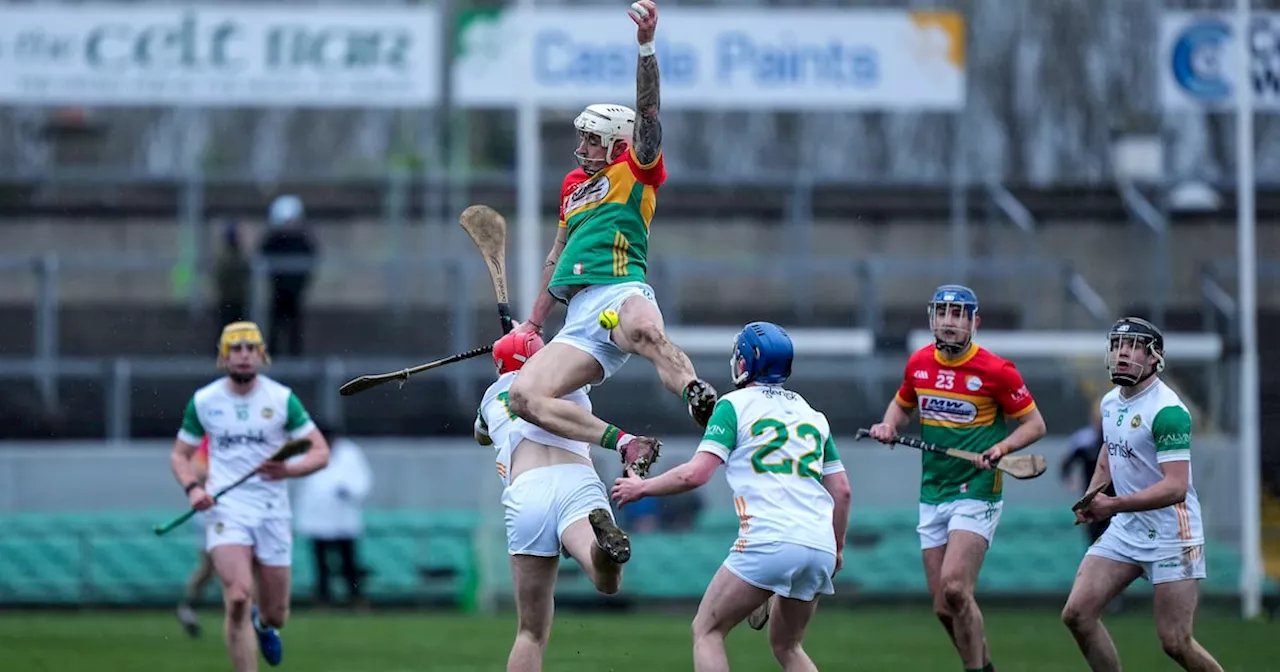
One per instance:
(882, 640)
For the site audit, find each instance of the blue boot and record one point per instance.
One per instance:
(268, 640)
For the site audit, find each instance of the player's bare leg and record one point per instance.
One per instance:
(727, 602)
(273, 595)
(956, 582)
(787, 624)
(234, 566)
(641, 331)
(534, 580)
(600, 547)
(1175, 607)
(555, 371)
(1098, 582)
(933, 558)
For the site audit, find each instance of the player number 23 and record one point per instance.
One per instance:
(804, 432)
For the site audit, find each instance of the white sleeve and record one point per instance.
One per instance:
(715, 449)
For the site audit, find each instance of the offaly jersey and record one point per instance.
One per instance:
(776, 449)
(1141, 433)
(607, 216)
(964, 404)
(244, 432)
(506, 429)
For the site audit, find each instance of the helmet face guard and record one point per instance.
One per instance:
(1135, 351)
(612, 124)
(953, 313)
(239, 334)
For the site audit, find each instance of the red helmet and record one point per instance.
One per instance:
(511, 351)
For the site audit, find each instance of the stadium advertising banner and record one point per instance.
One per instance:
(219, 55)
(730, 58)
(1198, 65)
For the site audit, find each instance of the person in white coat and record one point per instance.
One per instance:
(329, 511)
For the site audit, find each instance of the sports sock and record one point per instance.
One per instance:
(613, 437)
(989, 668)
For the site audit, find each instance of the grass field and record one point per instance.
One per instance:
(883, 640)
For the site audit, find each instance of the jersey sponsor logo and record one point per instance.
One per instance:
(716, 430)
(1121, 449)
(1136, 421)
(588, 193)
(227, 439)
(921, 374)
(1179, 439)
(948, 410)
(1020, 393)
(973, 383)
(774, 393)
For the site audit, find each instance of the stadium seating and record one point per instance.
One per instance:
(436, 557)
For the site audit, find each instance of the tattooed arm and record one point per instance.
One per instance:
(648, 131)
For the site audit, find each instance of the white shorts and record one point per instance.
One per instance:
(970, 515)
(1157, 566)
(542, 502)
(271, 538)
(786, 569)
(582, 327)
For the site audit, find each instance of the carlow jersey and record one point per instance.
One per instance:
(607, 216)
(963, 404)
(1141, 433)
(243, 432)
(506, 429)
(776, 449)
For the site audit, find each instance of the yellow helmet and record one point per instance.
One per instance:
(241, 332)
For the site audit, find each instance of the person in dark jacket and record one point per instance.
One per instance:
(287, 242)
(231, 277)
(1083, 446)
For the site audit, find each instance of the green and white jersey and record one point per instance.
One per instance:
(776, 449)
(243, 432)
(1140, 433)
(506, 429)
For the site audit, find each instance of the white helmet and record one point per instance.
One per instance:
(613, 123)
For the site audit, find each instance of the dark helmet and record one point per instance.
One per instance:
(1142, 336)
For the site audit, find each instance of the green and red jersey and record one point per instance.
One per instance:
(607, 216)
(964, 404)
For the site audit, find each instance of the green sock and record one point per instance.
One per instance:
(989, 668)
(610, 438)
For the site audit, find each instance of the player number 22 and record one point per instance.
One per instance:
(781, 435)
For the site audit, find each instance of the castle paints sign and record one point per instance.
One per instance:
(1198, 66)
(219, 55)
(739, 58)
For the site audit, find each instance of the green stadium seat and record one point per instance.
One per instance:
(113, 557)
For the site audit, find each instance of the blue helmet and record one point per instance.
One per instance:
(762, 353)
(951, 334)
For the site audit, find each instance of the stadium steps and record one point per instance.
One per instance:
(109, 557)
